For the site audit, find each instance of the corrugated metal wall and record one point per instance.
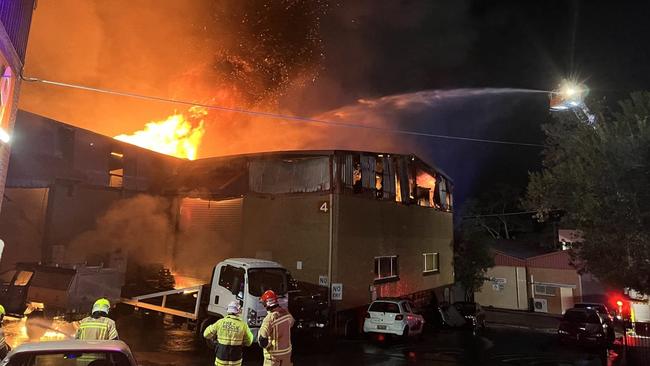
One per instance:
(200, 214)
(276, 176)
(556, 260)
(16, 16)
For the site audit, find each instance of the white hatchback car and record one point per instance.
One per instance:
(393, 316)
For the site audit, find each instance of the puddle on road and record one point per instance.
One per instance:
(141, 333)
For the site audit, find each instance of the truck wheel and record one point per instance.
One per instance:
(204, 324)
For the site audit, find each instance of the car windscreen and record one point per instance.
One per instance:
(384, 307)
(581, 317)
(70, 358)
(599, 308)
(262, 279)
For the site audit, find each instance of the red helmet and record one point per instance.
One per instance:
(269, 298)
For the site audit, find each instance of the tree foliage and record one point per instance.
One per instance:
(600, 176)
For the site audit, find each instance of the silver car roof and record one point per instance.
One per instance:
(72, 346)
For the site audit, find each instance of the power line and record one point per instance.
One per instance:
(269, 114)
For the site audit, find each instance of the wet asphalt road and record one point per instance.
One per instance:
(160, 342)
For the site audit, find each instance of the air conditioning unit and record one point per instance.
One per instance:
(540, 305)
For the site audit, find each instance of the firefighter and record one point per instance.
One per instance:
(98, 326)
(231, 335)
(4, 347)
(275, 333)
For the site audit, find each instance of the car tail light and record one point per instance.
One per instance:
(399, 317)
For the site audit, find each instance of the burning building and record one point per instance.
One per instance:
(380, 224)
(15, 21)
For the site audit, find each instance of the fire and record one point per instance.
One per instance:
(175, 136)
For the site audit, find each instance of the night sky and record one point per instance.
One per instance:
(309, 57)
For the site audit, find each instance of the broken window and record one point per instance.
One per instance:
(289, 175)
(116, 169)
(386, 267)
(426, 188)
(379, 177)
(356, 174)
(431, 262)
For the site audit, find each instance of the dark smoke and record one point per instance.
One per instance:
(140, 227)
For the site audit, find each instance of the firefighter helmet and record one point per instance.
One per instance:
(2, 310)
(269, 298)
(101, 305)
(234, 308)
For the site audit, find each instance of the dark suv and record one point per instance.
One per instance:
(586, 327)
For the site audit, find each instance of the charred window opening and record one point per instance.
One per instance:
(426, 191)
(379, 177)
(431, 262)
(116, 169)
(357, 184)
(386, 268)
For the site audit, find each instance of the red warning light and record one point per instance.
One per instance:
(619, 303)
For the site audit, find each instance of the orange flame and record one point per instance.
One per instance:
(175, 136)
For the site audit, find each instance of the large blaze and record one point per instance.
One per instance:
(179, 135)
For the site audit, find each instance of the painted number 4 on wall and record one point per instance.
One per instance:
(324, 207)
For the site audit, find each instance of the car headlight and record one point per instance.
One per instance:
(252, 317)
(561, 331)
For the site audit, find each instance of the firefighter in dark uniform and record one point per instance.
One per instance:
(231, 335)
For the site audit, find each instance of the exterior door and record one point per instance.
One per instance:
(566, 296)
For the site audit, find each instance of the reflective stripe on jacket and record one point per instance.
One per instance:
(231, 335)
(276, 327)
(96, 329)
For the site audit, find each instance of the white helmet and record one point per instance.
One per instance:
(234, 308)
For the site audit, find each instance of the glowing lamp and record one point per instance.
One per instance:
(619, 303)
(4, 136)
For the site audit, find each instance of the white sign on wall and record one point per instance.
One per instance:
(323, 281)
(337, 291)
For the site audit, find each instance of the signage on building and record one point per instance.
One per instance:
(323, 281)
(337, 291)
(498, 284)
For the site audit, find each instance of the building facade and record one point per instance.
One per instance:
(15, 21)
(378, 224)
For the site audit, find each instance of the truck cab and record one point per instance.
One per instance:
(245, 280)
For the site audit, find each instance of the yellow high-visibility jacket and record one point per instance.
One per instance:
(96, 329)
(231, 335)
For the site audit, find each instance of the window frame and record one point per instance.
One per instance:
(545, 292)
(435, 260)
(394, 268)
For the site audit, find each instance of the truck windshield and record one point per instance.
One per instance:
(262, 279)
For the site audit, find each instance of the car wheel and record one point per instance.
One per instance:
(405, 333)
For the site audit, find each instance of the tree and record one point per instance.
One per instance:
(599, 176)
(472, 259)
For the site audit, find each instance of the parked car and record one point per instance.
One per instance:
(600, 308)
(585, 326)
(472, 312)
(89, 353)
(393, 317)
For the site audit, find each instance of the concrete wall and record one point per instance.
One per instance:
(556, 276)
(368, 228)
(288, 229)
(512, 295)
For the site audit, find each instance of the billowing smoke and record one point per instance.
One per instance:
(242, 53)
(139, 227)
